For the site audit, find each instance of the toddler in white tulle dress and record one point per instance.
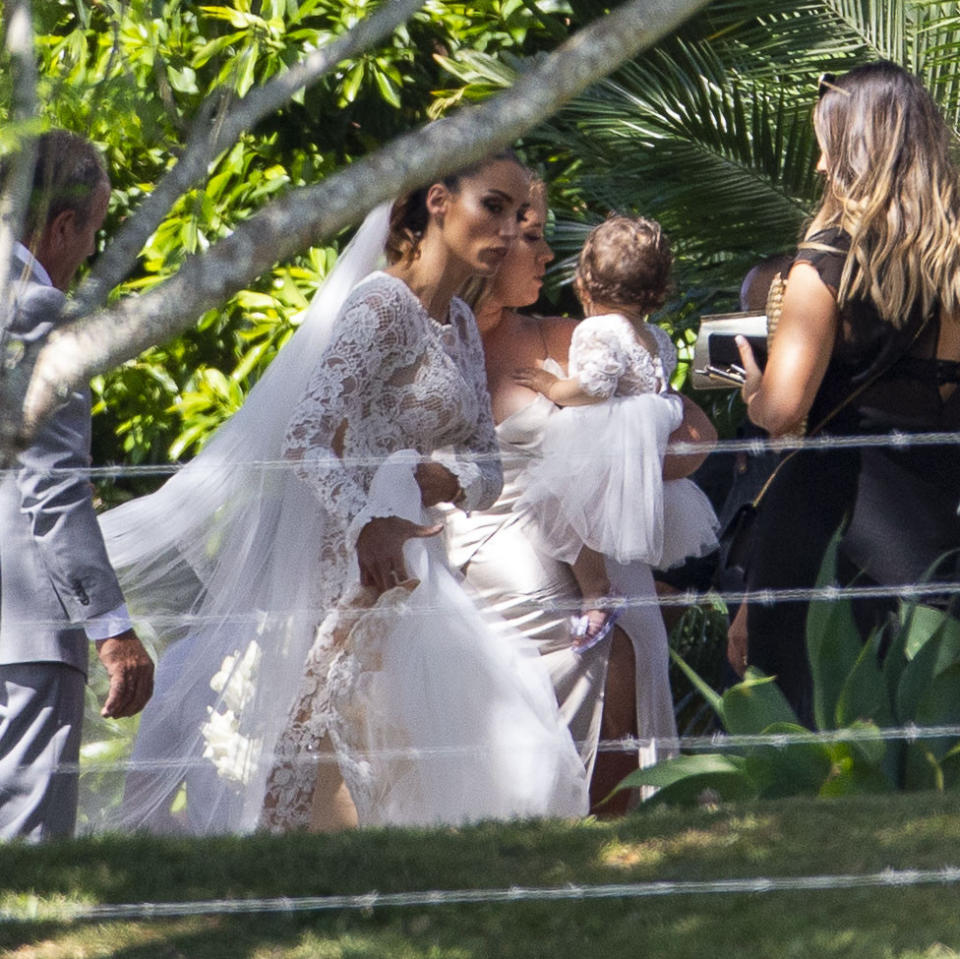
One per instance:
(598, 488)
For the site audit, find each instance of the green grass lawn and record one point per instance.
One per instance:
(788, 838)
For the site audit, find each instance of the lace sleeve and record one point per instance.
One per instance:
(597, 355)
(667, 349)
(365, 335)
(476, 461)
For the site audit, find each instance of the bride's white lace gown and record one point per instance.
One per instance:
(421, 670)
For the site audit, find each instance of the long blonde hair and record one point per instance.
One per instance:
(891, 185)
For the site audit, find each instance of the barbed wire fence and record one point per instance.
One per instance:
(716, 741)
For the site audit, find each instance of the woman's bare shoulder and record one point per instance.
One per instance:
(557, 332)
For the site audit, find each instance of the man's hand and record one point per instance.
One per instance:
(131, 674)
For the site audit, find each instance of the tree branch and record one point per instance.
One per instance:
(309, 215)
(208, 139)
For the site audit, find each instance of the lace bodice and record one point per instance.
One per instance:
(610, 360)
(392, 378)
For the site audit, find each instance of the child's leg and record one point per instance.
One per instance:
(590, 572)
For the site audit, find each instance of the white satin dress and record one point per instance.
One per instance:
(511, 573)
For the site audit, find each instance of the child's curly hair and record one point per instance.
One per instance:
(626, 261)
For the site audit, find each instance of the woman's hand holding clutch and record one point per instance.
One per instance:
(753, 375)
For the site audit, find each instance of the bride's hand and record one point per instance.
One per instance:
(380, 550)
(437, 484)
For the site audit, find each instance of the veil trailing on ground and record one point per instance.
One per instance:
(220, 569)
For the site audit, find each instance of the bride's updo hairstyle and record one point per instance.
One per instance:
(409, 216)
(626, 262)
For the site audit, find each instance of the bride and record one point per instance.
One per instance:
(379, 405)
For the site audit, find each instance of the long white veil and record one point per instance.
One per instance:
(220, 568)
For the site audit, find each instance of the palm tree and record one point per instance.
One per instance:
(710, 132)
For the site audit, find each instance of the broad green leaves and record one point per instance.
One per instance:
(860, 689)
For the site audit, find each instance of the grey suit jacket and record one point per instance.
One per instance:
(54, 570)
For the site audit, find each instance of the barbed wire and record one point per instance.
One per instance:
(665, 747)
(896, 439)
(947, 875)
(261, 619)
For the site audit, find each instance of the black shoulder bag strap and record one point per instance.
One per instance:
(739, 530)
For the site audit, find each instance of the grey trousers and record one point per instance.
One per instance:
(41, 712)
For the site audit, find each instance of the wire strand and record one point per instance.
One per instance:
(947, 875)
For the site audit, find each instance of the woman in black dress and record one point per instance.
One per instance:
(872, 304)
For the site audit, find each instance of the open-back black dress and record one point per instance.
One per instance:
(898, 502)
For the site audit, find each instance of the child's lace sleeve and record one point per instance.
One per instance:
(597, 358)
(667, 348)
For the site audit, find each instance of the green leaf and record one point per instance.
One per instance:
(351, 82)
(921, 623)
(672, 770)
(864, 694)
(950, 768)
(714, 699)
(870, 747)
(683, 779)
(246, 75)
(851, 776)
(755, 704)
(183, 81)
(388, 89)
(791, 769)
(937, 653)
(833, 643)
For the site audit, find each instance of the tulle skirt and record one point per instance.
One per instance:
(690, 524)
(599, 484)
(438, 714)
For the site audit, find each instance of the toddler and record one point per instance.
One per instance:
(598, 489)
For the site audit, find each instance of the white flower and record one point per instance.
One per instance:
(235, 679)
(227, 747)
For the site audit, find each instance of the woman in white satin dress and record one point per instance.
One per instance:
(617, 688)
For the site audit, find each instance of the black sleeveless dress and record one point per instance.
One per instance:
(898, 505)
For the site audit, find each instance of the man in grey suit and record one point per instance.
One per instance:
(57, 589)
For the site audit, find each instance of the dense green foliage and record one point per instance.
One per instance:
(134, 76)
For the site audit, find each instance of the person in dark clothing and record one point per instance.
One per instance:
(868, 340)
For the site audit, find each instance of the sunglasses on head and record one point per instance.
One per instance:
(828, 81)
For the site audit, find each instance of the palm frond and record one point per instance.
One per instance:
(710, 132)
(724, 162)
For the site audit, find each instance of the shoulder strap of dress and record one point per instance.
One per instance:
(543, 338)
(817, 247)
